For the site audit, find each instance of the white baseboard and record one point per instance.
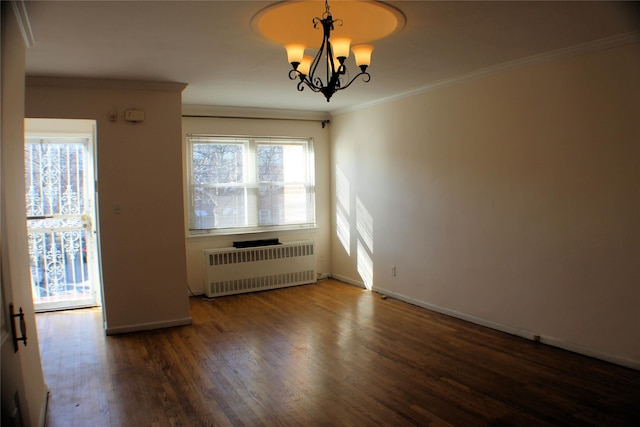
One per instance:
(545, 339)
(348, 281)
(596, 354)
(147, 326)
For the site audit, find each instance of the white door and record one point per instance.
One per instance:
(60, 201)
(13, 386)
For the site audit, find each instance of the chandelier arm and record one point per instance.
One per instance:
(307, 83)
(366, 77)
(316, 21)
(314, 65)
(304, 81)
(317, 82)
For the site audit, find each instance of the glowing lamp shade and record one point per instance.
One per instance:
(363, 54)
(295, 52)
(340, 47)
(305, 65)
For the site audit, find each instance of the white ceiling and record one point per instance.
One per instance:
(210, 45)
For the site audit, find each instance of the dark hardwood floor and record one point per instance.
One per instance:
(327, 354)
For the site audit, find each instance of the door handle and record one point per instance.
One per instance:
(23, 327)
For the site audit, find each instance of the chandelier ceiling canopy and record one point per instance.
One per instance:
(327, 31)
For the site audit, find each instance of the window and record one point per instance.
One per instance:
(247, 184)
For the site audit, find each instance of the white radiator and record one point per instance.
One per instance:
(231, 271)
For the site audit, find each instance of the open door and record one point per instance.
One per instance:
(13, 389)
(23, 389)
(61, 213)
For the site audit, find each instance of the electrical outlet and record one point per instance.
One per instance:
(393, 270)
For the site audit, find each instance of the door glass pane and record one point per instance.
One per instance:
(58, 226)
(54, 177)
(59, 265)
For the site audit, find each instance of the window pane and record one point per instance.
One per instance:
(217, 163)
(284, 204)
(218, 207)
(283, 198)
(295, 163)
(270, 163)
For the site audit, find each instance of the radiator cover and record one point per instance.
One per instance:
(231, 271)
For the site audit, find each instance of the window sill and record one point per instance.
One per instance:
(243, 231)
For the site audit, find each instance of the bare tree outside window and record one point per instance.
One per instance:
(250, 183)
(218, 190)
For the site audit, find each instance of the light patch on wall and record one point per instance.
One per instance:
(364, 224)
(343, 230)
(365, 266)
(342, 190)
(364, 228)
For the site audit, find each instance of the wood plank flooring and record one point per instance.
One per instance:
(327, 354)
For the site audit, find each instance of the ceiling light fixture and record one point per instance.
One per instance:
(325, 72)
(288, 23)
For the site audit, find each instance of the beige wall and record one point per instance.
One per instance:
(512, 200)
(139, 166)
(21, 371)
(261, 127)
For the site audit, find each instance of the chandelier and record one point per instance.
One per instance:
(326, 72)
(291, 25)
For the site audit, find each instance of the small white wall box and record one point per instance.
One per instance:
(134, 115)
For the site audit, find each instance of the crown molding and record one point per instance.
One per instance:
(579, 49)
(192, 110)
(22, 18)
(71, 82)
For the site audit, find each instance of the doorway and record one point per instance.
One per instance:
(61, 213)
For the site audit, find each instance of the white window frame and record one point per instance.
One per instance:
(250, 183)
